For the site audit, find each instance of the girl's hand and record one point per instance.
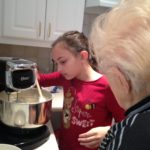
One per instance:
(93, 137)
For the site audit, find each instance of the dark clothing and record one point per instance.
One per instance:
(133, 133)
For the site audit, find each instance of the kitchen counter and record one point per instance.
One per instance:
(51, 143)
(57, 105)
(57, 101)
(57, 98)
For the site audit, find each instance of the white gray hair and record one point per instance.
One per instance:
(121, 38)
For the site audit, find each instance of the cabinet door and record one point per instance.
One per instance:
(24, 18)
(62, 16)
(1, 17)
(109, 3)
(105, 3)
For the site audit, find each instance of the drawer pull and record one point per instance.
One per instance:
(49, 30)
(40, 25)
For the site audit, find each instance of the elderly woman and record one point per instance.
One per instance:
(121, 40)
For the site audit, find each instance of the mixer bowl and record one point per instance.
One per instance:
(25, 109)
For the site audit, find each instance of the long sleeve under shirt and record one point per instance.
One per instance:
(86, 105)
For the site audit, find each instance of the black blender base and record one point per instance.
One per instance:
(26, 139)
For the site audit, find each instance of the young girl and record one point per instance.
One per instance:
(89, 105)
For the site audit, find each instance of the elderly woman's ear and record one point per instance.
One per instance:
(119, 78)
(120, 86)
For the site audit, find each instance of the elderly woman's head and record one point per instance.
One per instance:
(121, 40)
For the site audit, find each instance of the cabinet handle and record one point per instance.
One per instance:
(49, 30)
(40, 25)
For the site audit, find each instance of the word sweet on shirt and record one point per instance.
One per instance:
(81, 117)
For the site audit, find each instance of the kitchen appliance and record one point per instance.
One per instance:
(25, 109)
(23, 116)
(16, 74)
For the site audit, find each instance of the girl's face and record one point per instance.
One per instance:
(68, 64)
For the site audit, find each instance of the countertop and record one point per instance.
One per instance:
(57, 105)
(51, 143)
(57, 98)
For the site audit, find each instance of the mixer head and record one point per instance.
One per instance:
(16, 74)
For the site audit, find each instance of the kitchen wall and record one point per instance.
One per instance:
(90, 15)
(42, 55)
(37, 54)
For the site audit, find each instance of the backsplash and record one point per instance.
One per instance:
(39, 55)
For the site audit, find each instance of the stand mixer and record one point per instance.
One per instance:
(16, 74)
(23, 117)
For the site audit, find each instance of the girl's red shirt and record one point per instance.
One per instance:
(86, 105)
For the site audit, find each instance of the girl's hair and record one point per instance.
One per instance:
(76, 42)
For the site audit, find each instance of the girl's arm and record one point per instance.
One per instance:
(50, 79)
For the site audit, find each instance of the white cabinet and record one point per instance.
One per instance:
(105, 3)
(63, 15)
(39, 22)
(96, 6)
(0, 17)
(24, 18)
